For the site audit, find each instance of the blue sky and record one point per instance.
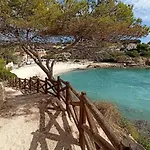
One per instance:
(141, 10)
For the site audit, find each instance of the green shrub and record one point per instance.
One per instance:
(2, 64)
(145, 53)
(110, 56)
(133, 53)
(5, 73)
(142, 47)
(122, 58)
(131, 129)
(143, 141)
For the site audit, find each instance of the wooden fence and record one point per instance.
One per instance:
(86, 116)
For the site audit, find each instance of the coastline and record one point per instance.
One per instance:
(59, 68)
(63, 67)
(116, 65)
(28, 71)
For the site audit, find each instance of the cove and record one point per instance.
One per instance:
(129, 89)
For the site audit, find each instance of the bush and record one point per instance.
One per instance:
(109, 110)
(2, 64)
(122, 59)
(142, 47)
(131, 129)
(133, 53)
(143, 141)
(5, 73)
(145, 53)
(110, 56)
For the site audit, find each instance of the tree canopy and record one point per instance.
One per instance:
(27, 23)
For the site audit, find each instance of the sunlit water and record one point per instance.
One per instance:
(128, 88)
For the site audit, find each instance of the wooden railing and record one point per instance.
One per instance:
(86, 116)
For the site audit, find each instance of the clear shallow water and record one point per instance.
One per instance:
(128, 88)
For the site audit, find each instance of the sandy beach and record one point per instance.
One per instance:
(28, 71)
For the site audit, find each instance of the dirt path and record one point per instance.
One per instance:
(20, 120)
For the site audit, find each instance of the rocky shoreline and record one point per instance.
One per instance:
(143, 127)
(116, 65)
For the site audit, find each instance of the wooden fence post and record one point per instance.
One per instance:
(68, 98)
(82, 120)
(25, 80)
(29, 84)
(16, 83)
(92, 124)
(9, 82)
(12, 82)
(105, 125)
(46, 86)
(58, 87)
(38, 84)
(19, 84)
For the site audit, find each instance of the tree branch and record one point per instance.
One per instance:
(32, 53)
(69, 46)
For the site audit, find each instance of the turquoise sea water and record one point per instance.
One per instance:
(128, 88)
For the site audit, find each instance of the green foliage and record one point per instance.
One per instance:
(141, 50)
(115, 56)
(142, 47)
(122, 58)
(5, 73)
(32, 22)
(145, 53)
(2, 64)
(133, 53)
(7, 53)
(144, 142)
(131, 129)
(108, 21)
(125, 13)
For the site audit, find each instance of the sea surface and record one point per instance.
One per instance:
(129, 89)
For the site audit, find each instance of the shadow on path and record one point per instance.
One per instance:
(19, 105)
(55, 131)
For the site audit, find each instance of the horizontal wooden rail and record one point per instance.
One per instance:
(97, 138)
(105, 125)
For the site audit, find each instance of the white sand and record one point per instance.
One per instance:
(59, 68)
